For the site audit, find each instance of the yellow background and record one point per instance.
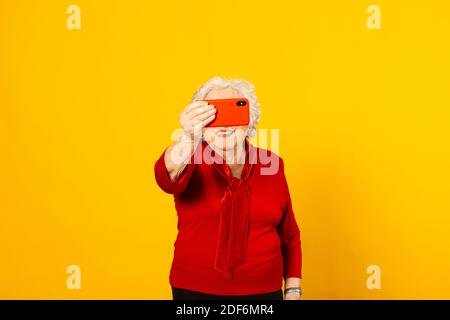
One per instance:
(364, 130)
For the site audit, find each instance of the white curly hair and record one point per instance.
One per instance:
(244, 87)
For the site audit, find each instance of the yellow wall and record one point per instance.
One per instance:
(364, 130)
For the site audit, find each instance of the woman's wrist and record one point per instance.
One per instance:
(292, 288)
(179, 154)
(292, 282)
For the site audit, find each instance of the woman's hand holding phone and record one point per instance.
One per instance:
(193, 119)
(196, 116)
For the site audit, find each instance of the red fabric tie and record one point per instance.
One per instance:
(233, 227)
(234, 218)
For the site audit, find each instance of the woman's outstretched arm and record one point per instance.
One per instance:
(193, 119)
(170, 169)
(291, 244)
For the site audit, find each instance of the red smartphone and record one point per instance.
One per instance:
(230, 112)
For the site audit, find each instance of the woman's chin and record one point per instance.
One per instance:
(224, 143)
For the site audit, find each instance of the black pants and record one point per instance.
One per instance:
(183, 294)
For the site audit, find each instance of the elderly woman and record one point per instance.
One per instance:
(237, 233)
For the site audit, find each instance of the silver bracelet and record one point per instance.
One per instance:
(293, 289)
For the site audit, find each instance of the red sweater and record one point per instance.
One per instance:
(235, 236)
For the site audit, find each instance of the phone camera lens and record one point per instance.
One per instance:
(241, 103)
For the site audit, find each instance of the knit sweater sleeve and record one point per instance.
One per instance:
(289, 233)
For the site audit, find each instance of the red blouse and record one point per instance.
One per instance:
(235, 236)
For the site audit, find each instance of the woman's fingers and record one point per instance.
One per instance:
(198, 125)
(197, 115)
(187, 113)
(203, 119)
(199, 110)
(194, 105)
(208, 120)
(202, 116)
